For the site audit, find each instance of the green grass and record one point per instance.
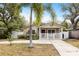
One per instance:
(23, 50)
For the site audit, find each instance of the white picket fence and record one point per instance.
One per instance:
(61, 35)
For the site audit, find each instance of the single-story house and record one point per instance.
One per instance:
(46, 31)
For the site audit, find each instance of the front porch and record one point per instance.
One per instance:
(52, 32)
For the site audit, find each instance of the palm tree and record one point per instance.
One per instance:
(48, 7)
(37, 8)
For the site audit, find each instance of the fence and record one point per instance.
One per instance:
(61, 35)
(74, 34)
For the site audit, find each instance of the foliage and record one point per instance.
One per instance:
(65, 25)
(48, 7)
(26, 37)
(10, 17)
(71, 11)
(34, 37)
(38, 9)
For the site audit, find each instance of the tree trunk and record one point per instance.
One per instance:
(30, 35)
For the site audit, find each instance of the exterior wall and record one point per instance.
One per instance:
(65, 35)
(74, 34)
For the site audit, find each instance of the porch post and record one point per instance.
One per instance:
(47, 34)
(61, 30)
(39, 33)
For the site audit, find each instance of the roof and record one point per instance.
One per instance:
(45, 25)
(50, 26)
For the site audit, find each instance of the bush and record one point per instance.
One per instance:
(3, 36)
(22, 37)
(34, 37)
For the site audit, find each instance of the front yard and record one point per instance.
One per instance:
(74, 42)
(23, 50)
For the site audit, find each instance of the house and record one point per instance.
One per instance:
(48, 31)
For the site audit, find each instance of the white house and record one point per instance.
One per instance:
(47, 31)
(50, 31)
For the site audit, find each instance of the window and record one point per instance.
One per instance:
(53, 31)
(42, 31)
(49, 31)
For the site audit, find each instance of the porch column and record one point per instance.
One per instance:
(61, 30)
(47, 35)
(39, 33)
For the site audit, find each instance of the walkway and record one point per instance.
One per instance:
(65, 49)
(27, 41)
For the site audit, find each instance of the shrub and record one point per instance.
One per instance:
(22, 37)
(34, 37)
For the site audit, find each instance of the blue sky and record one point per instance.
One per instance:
(46, 16)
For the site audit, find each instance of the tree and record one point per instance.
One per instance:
(48, 7)
(37, 8)
(10, 17)
(71, 11)
(65, 25)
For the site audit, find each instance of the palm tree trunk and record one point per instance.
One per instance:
(30, 36)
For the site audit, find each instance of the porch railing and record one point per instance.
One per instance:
(54, 35)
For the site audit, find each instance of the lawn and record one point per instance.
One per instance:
(23, 50)
(74, 42)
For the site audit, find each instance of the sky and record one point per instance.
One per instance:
(46, 16)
